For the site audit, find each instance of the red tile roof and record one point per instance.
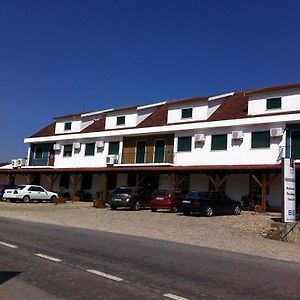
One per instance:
(98, 125)
(274, 89)
(46, 131)
(157, 118)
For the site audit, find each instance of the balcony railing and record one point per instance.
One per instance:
(165, 155)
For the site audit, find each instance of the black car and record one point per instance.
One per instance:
(209, 203)
(3, 187)
(132, 197)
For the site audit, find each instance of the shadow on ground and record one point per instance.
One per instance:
(5, 276)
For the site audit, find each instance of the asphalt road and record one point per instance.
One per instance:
(127, 267)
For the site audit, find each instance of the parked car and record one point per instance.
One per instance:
(133, 197)
(209, 203)
(165, 199)
(27, 193)
(3, 187)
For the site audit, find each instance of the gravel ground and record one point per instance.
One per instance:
(243, 234)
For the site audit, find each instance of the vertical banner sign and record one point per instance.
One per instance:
(289, 190)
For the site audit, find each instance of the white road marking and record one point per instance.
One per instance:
(175, 297)
(105, 275)
(8, 245)
(48, 257)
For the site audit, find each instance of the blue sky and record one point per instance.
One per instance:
(59, 57)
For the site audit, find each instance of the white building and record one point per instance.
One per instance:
(232, 142)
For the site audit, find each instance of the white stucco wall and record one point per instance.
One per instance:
(290, 101)
(200, 111)
(75, 126)
(130, 119)
(237, 153)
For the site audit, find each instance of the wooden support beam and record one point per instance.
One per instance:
(104, 186)
(75, 178)
(29, 178)
(10, 178)
(140, 178)
(217, 181)
(51, 180)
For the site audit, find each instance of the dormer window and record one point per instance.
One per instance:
(186, 113)
(120, 120)
(273, 103)
(68, 126)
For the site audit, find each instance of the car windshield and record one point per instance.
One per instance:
(20, 187)
(161, 193)
(196, 194)
(123, 191)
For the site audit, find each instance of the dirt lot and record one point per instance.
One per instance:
(242, 233)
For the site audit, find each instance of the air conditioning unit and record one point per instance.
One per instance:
(275, 132)
(14, 163)
(76, 146)
(237, 135)
(199, 138)
(100, 144)
(112, 159)
(56, 147)
(21, 162)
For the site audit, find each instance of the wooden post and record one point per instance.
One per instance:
(217, 181)
(264, 185)
(75, 178)
(104, 186)
(51, 180)
(29, 178)
(10, 178)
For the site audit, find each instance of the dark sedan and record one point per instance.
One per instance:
(209, 203)
(132, 197)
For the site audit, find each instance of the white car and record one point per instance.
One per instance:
(27, 193)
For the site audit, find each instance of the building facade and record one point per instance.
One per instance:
(232, 142)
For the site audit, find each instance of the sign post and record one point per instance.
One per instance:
(289, 190)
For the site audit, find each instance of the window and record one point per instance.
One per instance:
(68, 150)
(121, 120)
(184, 144)
(113, 148)
(260, 139)
(186, 113)
(90, 149)
(38, 154)
(274, 103)
(219, 142)
(68, 125)
(36, 189)
(86, 183)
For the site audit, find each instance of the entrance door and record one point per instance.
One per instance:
(295, 153)
(51, 157)
(159, 151)
(140, 152)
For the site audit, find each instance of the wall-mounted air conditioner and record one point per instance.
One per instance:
(76, 146)
(275, 132)
(21, 162)
(237, 135)
(14, 163)
(112, 159)
(199, 138)
(100, 144)
(56, 147)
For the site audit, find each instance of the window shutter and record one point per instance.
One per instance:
(219, 142)
(113, 148)
(184, 143)
(260, 139)
(274, 103)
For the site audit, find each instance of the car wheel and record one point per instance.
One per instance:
(136, 206)
(113, 207)
(26, 199)
(237, 210)
(174, 209)
(209, 211)
(52, 199)
(153, 209)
